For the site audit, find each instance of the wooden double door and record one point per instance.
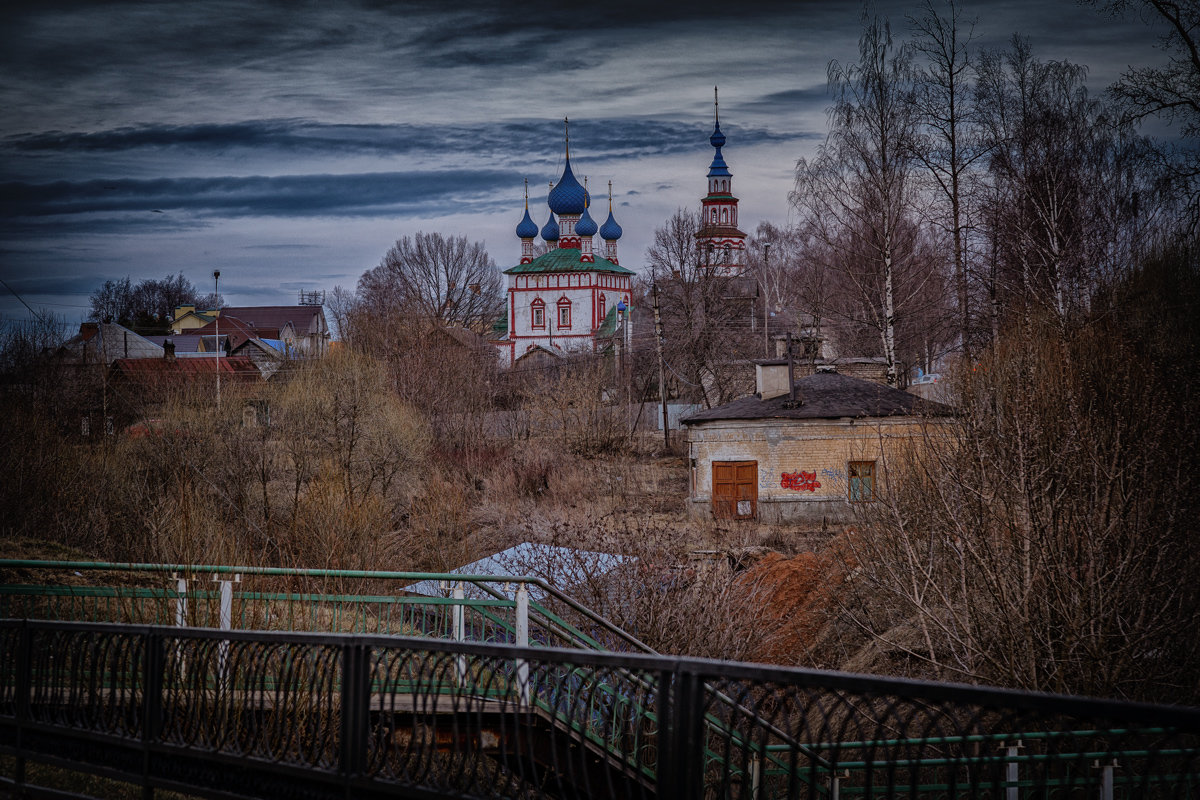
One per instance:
(735, 489)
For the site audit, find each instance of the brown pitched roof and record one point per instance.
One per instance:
(277, 317)
(140, 369)
(237, 329)
(828, 395)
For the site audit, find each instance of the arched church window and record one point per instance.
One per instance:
(724, 215)
(564, 313)
(714, 215)
(603, 303)
(727, 254)
(537, 314)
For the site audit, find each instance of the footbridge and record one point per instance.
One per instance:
(494, 690)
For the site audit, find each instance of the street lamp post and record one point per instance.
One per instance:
(765, 272)
(217, 330)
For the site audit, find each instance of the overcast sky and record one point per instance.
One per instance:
(289, 144)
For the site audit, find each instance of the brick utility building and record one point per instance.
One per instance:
(777, 459)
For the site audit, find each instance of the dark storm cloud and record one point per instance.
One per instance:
(371, 194)
(35, 283)
(519, 139)
(795, 99)
(53, 228)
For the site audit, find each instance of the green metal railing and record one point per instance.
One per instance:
(372, 602)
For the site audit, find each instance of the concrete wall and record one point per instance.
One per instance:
(814, 454)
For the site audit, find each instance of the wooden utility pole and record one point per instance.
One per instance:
(662, 369)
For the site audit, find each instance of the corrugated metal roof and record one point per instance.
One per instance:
(105, 342)
(150, 368)
(561, 567)
(277, 317)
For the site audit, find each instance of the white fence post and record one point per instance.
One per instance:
(1106, 779)
(1012, 770)
(225, 620)
(460, 631)
(181, 600)
(523, 640)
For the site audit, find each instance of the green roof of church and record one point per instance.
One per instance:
(566, 259)
(609, 325)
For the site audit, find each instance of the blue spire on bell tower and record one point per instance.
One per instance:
(718, 168)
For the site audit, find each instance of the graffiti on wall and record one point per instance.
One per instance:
(799, 481)
(834, 474)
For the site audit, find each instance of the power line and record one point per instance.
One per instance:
(22, 299)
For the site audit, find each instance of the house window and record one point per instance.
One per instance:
(862, 481)
(537, 314)
(564, 313)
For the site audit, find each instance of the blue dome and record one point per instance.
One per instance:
(586, 225)
(550, 230)
(717, 139)
(568, 196)
(610, 231)
(718, 168)
(527, 228)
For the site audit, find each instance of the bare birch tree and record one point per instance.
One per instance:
(1049, 143)
(947, 144)
(859, 194)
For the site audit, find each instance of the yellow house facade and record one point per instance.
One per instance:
(187, 318)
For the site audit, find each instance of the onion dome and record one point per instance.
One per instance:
(610, 231)
(550, 229)
(586, 225)
(718, 168)
(527, 228)
(717, 139)
(568, 196)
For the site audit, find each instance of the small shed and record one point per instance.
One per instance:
(778, 458)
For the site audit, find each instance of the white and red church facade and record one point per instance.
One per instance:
(570, 298)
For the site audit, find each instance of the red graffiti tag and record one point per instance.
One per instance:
(799, 481)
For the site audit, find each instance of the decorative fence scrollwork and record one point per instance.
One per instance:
(272, 714)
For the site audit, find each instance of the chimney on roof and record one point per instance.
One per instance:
(168, 350)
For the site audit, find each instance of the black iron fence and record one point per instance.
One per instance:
(262, 714)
